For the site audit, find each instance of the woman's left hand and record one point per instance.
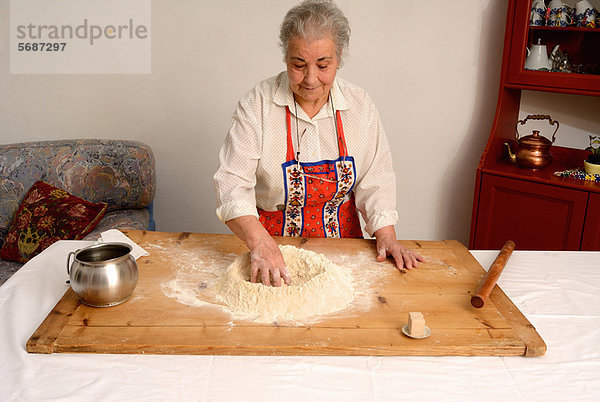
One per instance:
(387, 245)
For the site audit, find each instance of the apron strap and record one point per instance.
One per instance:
(290, 145)
(341, 139)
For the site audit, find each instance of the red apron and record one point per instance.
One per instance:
(315, 207)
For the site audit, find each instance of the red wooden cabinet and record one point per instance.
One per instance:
(538, 216)
(534, 208)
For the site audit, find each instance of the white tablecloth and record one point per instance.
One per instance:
(559, 292)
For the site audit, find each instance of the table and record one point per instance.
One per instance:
(559, 292)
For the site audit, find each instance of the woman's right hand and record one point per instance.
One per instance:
(266, 260)
(266, 263)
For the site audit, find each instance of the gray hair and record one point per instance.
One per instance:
(315, 19)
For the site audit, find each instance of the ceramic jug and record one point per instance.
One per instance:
(585, 14)
(538, 13)
(537, 58)
(559, 14)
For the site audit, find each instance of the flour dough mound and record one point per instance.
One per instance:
(318, 287)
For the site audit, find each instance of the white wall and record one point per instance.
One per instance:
(578, 117)
(432, 68)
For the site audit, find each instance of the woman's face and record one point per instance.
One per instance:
(311, 68)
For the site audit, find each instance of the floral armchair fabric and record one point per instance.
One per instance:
(119, 173)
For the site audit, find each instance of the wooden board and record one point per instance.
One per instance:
(152, 322)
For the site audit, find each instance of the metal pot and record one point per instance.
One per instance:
(533, 151)
(103, 275)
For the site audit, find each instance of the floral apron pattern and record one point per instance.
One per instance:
(315, 207)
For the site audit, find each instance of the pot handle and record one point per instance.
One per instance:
(538, 117)
(68, 260)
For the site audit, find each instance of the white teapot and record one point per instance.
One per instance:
(537, 58)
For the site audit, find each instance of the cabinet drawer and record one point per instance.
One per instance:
(535, 216)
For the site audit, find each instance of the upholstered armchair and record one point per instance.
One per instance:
(118, 173)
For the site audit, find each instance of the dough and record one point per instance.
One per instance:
(318, 287)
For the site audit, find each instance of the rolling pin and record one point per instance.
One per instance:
(482, 293)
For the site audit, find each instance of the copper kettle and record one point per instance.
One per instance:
(534, 150)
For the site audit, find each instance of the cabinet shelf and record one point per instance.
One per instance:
(572, 84)
(564, 29)
(563, 159)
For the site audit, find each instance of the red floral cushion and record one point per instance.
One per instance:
(46, 215)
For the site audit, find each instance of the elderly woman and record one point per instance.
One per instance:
(306, 150)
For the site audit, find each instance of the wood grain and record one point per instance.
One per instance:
(44, 338)
(151, 322)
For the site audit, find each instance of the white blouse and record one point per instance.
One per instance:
(250, 173)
